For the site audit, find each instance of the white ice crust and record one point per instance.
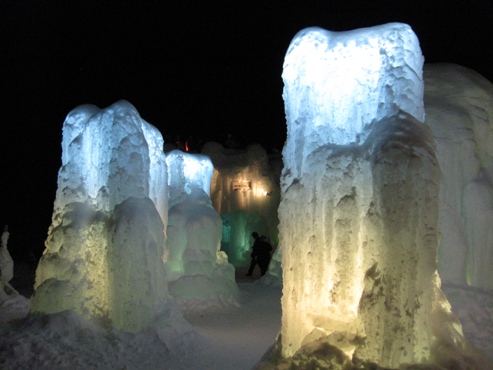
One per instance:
(373, 73)
(186, 172)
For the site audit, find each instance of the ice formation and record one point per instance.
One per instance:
(359, 204)
(7, 292)
(6, 262)
(186, 172)
(459, 111)
(105, 245)
(245, 192)
(198, 272)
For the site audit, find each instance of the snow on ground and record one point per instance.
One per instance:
(238, 339)
(474, 308)
(234, 339)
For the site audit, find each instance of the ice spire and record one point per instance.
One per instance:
(359, 203)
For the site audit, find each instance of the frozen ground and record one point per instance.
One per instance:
(474, 308)
(238, 339)
(235, 339)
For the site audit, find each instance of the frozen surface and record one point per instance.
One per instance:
(459, 111)
(185, 172)
(245, 192)
(105, 245)
(359, 205)
(232, 339)
(199, 275)
(370, 80)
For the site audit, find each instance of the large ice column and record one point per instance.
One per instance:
(459, 111)
(246, 193)
(105, 246)
(359, 202)
(199, 274)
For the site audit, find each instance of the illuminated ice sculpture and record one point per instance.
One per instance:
(105, 246)
(359, 205)
(198, 273)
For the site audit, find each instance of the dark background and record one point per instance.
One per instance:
(201, 68)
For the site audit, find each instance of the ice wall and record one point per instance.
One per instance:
(459, 111)
(246, 193)
(199, 274)
(105, 245)
(237, 240)
(359, 204)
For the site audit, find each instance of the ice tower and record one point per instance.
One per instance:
(198, 273)
(106, 242)
(359, 205)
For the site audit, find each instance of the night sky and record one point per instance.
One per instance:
(200, 68)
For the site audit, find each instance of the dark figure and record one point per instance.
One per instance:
(260, 254)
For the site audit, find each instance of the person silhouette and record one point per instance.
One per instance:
(260, 254)
(254, 254)
(263, 255)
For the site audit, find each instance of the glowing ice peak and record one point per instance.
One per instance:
(185, 172)
(338, 83)
(109, 155)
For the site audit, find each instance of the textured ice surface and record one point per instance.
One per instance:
(7, 292)
(373, 72)
(459, 111)
(105, 245)
(359, 204)
(199, 274)
(185, 172)
(251, 207)
(6, 261)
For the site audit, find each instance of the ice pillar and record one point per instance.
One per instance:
(359, 201)
(105, 245)
(198, 272)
